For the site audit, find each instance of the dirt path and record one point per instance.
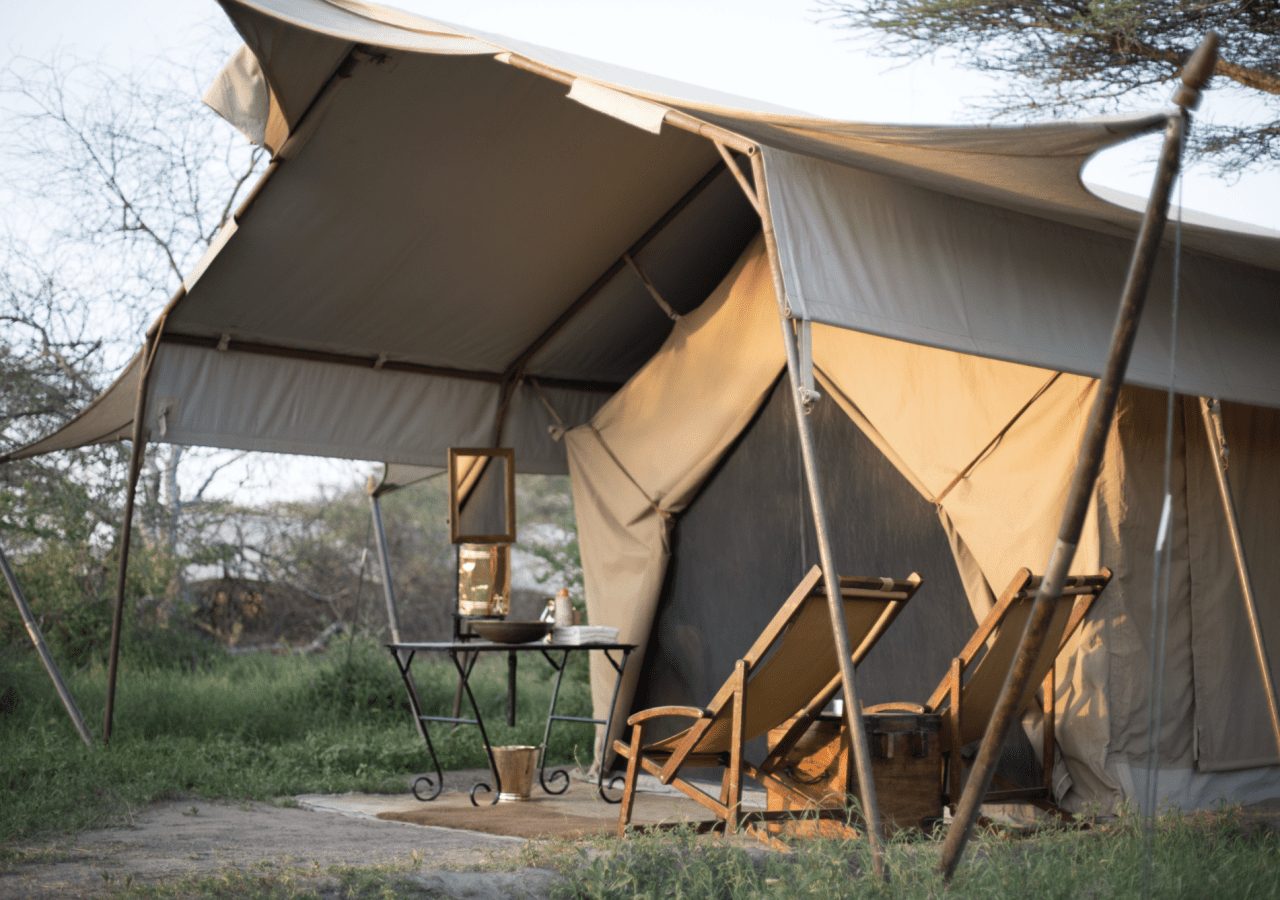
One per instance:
(182, 840)
(173, 845)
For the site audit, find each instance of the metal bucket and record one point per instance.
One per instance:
(515, 770)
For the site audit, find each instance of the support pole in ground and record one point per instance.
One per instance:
(1211, 413)
(801, 402)
(139, 442)
(1194, 76)
(37, 638)
(384, 562)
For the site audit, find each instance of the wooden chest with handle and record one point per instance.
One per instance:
(906, 764)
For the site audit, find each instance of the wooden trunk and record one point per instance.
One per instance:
(906, 764)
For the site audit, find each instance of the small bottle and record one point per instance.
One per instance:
(564, 609)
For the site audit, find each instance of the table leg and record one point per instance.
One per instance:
(433, 786)
(619, 666)
(464, 674)
(557, 774)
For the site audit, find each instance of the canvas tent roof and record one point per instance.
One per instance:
(438, 208)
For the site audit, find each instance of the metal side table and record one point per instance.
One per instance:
(463, 655)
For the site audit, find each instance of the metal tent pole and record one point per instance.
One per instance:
(1211, 413)
(37, 638)
(830, 576)
(1195, 74)
(384, 561)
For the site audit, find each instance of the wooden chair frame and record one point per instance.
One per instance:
(667, 764)
(947, 698)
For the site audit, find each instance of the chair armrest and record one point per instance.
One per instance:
(691, 712)
(893, 707)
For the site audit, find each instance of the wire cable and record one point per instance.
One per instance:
(1162, 566)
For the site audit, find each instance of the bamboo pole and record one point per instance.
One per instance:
(46, 658)
(1194, 76)
(1211, 413)
(830, 577)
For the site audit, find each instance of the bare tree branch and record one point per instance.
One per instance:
(1086, 55)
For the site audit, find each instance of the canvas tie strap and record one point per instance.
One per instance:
(559, 428)
(664, 514)
(653, 291)
(995, 441)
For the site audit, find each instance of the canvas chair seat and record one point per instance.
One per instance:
(802, 664)
(968, 694)
(793, 667)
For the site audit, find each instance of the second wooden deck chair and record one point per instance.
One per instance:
(791, 668)
(967, 696)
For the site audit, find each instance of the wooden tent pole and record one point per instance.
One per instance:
(1211, 413)
(138, 441)
(46, 658)
(1194, 76)
(817, 505)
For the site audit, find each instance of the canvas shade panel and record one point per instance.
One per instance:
(653, 443)
(248, 401)
(108, 418)
(885, 256)
(452, 238)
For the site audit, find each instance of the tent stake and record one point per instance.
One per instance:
(830, 577)
(1211, 413)
(37, 638)
(1195, 75)
(384, 562)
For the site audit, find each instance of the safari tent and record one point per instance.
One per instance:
(464, 240)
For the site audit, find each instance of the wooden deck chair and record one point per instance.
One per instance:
(967, 695)
(791, 668)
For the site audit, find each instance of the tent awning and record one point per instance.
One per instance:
(454, 249)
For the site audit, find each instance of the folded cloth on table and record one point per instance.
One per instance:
(584, 634)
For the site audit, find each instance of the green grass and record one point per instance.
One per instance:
(248, 727)
(1198, 856)
(267, 727)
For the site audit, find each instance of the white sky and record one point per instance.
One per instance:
(773, 50)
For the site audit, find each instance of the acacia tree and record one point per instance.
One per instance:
(1092, 55)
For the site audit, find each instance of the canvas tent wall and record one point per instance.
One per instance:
(441, 255)
(990, 445)
(746, 538)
